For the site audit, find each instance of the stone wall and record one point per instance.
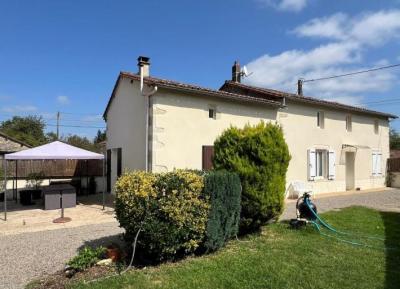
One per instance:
(7, 145)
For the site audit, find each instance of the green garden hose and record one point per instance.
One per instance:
(329, 227)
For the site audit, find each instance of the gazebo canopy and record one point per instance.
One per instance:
(54, 151)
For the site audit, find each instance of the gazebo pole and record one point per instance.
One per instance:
(104, 183)
(16, 181)
(5, 189)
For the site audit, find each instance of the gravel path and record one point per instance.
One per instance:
(30, 255)
(388, 200)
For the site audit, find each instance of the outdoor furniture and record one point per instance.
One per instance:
(36, 194)
(297, 189)
(54, 151)
(59, 196)
(25, 197)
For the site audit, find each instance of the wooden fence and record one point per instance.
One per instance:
(55, 168)
(393, 165)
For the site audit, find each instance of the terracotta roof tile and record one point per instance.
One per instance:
(271, 93)
(174, 85)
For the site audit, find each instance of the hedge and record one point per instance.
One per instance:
(170, 209)
(224, 190)
(260, 156)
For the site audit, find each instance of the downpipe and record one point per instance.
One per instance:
(147, 108)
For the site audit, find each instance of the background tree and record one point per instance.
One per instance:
(79, 141)
(28, 129)
(394, 139)
(51, 136)
(100, 137)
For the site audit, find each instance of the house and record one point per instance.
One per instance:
(10, 145)
(159, 125)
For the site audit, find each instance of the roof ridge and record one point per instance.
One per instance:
(172, 84)
(307, 98)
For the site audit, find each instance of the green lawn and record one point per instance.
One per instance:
(285, 258)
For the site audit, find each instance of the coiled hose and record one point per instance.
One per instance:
(329, 227)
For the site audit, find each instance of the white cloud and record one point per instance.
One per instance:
(350, 100)
(62, 99)
(19, 108)
(373, 29)
(326, 27)
(285, 5)
(349, 39)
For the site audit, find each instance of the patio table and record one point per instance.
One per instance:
(59, 196)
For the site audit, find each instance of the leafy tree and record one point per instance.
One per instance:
(79, 141)
(394, 139)
(100, 137)
(51, 136)
(260, 156)
(29, 129)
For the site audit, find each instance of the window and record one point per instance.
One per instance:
(320, 119)
(376, 163)
(349, 124)
(321, 164)
(376, 126)
(212, 113)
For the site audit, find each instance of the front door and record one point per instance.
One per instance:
(350, 174)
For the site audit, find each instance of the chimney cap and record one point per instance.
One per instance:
(143, 60)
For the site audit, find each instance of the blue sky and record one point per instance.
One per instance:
(66, 55)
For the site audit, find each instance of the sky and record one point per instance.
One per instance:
(66, 55)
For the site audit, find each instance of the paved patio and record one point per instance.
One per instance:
(24, 219)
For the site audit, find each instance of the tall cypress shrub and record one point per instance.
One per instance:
(260, 156)
(224, 191)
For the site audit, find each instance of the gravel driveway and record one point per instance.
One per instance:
(30, 255)
(386, 200)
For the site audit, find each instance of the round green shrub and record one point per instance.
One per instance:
(169, 208)
(260, 156)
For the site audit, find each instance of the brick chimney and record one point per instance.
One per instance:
(144, 66)
(236, 74)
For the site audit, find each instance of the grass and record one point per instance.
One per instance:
(280, 257)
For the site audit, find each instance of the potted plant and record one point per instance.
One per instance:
(34, 181)
(114, 252)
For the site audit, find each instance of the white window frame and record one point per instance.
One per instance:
(321, 164)
(377, 163)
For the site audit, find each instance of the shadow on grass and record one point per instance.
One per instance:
(391, 222)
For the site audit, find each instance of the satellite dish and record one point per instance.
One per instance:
(244, 71)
